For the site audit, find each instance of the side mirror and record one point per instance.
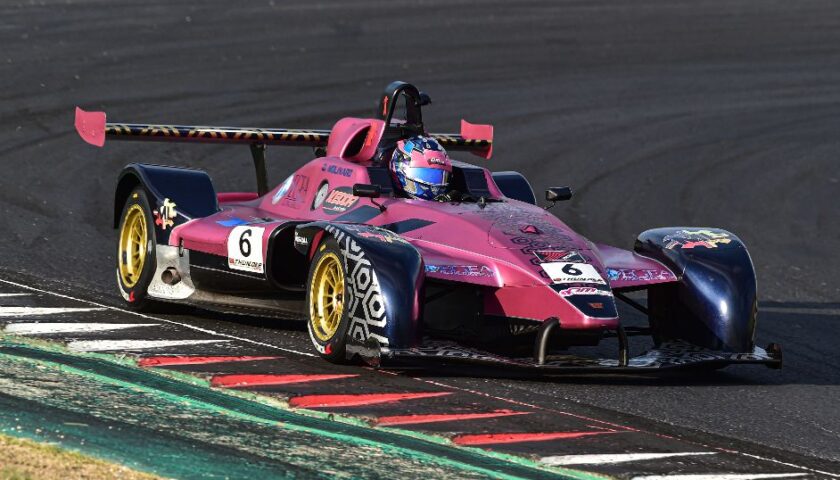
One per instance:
(425, 99)
(367, 191)
(558, 194)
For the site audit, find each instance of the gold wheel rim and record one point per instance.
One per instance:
(326, 297)
(132, 250)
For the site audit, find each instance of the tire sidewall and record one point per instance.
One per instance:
(335, 349)
(137, 296)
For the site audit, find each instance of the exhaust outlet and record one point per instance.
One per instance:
(170, 276)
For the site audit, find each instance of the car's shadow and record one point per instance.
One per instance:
(807, 331)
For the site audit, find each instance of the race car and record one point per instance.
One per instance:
(396, 254)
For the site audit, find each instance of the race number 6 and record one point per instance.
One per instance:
(569, 269)
(571, 272)
(245, 249)
(244, 244)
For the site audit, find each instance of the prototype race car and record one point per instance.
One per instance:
(479, 274)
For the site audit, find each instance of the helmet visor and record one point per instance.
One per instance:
(429, 176)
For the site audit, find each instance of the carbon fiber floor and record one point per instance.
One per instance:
(718, 113)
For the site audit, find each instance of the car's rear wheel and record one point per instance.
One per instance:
(136, 250)
(325, 299)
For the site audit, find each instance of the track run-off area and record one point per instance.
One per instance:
(394, 422)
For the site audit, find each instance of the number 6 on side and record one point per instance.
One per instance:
(245, 249)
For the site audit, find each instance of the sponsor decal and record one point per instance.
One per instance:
(245, 249)
(337, 170)
(283, 190)
(321, 195)
(340, 200)
(301, 240)
(596, 305)
(568, 292)
(688, 239)
(292, 190)
(382, 236)
(639, 275)
(545, 256)
(165, 215)
(570, 272)
(297, 192)
(436, 161)
(461, 270)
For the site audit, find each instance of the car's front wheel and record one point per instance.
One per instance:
(326, 296)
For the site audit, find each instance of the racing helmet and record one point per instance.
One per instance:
(421, 167)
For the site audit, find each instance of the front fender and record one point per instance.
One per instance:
(713, 304)
(385, 277)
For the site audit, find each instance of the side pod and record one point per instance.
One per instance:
(713, 305)
(385, 277)
(178, 193)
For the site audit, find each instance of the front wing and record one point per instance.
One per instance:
(667, 356)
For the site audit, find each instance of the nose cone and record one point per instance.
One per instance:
(539, 230)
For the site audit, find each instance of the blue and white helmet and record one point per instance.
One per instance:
(421, 167)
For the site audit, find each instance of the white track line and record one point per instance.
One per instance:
(722, 476)
(787, 464)
(4, 295)
(69, 327)
(149, 317)
(107, 345)
(615, 458)
(31, 311)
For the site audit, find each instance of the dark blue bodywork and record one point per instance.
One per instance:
(713, 304)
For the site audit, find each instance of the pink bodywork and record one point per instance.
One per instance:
(491, 247)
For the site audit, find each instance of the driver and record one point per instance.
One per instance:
(421, 168)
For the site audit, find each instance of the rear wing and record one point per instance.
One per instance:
(94, 129)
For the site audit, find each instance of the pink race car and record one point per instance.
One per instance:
(395, 253)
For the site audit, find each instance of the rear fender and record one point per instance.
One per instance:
(713, 304)
(176, 195)
(386, 278)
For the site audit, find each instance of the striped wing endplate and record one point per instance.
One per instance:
(475, 138)
(451, 141)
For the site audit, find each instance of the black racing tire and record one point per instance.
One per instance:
(331, 343)
(134, 287)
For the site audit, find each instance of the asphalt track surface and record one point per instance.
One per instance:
(657, 113)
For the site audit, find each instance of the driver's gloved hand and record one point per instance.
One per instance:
(450, 196)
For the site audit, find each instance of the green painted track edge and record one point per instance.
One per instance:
(55, 355)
